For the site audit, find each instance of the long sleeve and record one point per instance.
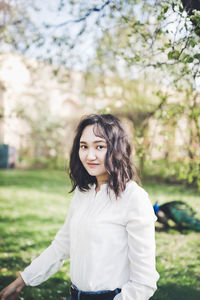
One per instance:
(141, 249)
(52, 258)
(137, 291)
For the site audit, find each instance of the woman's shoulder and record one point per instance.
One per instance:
(138, 202)
(133, 188)
(135, 195)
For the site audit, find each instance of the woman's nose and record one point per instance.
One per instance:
(91, 154)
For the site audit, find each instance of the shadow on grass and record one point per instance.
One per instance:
(13, 262)
(24, 240)
(175, 230)
(10, 246)
(27, 235)
(176, 292)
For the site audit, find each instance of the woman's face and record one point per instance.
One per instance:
(92, 153)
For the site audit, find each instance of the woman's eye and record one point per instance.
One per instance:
(83, 147)
(100, 147)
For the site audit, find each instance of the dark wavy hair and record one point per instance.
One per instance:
(117, 161)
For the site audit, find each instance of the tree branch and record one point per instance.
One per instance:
(189, 6)
(88, 13)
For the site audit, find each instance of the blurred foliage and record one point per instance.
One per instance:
(159, 33)
(18, 30)
(55, 163)
(46, 133)
(184, 171)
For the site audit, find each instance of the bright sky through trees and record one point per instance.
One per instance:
(71, 33)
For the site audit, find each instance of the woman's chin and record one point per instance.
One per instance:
(92, 173)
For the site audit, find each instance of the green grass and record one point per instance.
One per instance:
(33, 206)
(178, 254)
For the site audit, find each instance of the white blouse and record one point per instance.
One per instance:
(110, 243)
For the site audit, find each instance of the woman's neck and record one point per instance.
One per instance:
(99, 183)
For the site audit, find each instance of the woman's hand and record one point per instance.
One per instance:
(12, 291)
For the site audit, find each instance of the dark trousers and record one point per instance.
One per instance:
(76, 294)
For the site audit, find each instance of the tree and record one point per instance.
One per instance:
(190, 7)
(148, 46)
(18, 31)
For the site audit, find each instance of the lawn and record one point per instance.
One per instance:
(33, 205)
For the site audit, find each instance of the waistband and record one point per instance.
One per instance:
(92, 295)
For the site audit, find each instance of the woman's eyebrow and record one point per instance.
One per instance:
(97, 141)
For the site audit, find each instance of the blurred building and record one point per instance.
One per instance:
(41, 103)
(32, 91)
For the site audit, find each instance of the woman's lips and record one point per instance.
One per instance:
(92, 165)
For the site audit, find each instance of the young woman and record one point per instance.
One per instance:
(109, 231)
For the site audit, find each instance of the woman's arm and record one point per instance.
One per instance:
(12, 291)
(51, 259)
(45, 265)
(141, 248)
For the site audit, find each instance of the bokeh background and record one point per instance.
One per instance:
(62, 60)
